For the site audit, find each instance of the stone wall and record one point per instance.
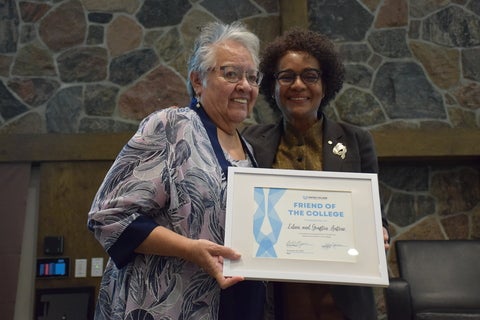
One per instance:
(79, 66)
(93, 66)
(409, 63)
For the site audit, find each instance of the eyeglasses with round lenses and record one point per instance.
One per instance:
(235, 74)
(308, 76)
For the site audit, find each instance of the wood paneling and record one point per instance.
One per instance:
(66, 193)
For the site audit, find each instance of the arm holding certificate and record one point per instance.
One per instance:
(302, 74)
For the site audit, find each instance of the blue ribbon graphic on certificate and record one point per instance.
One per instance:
(266, 223)
(303, 224)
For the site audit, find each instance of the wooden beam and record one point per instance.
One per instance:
(293, 14)
(428, 143)
(391, 144)
(61, 147)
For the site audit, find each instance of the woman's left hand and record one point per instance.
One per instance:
(386, 239)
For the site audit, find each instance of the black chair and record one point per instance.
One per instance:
(438, 280)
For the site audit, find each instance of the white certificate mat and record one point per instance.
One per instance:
(305, 226)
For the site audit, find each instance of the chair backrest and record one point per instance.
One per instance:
(441, 273)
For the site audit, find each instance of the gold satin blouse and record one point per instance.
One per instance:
(300, 151)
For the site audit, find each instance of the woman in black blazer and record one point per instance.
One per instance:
(302, 73)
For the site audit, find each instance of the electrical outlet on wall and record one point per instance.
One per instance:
(97, 267)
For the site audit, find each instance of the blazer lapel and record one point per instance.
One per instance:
(266, 145)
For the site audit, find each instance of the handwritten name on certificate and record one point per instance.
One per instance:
(303, 224)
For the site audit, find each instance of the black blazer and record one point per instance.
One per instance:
(356, 302)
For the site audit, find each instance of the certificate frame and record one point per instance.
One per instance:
(359, 194)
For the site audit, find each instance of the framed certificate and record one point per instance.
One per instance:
(305, 226)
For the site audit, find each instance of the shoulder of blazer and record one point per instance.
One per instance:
(264, 140)
(257, 133)
(336, 131)
(257, 129)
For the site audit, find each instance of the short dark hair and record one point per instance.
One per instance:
(318, 46)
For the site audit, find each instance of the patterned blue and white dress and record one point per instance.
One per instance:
(171, 173)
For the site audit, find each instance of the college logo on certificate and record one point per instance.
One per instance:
(305, 226)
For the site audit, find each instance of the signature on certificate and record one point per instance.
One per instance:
(297, 244)
(332, 245)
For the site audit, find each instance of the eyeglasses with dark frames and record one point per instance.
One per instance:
(234, 74)
(288, 77)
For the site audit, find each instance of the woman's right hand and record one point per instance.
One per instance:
(205, 254)
(209, 256)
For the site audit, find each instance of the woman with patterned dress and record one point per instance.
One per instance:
(160, 211)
